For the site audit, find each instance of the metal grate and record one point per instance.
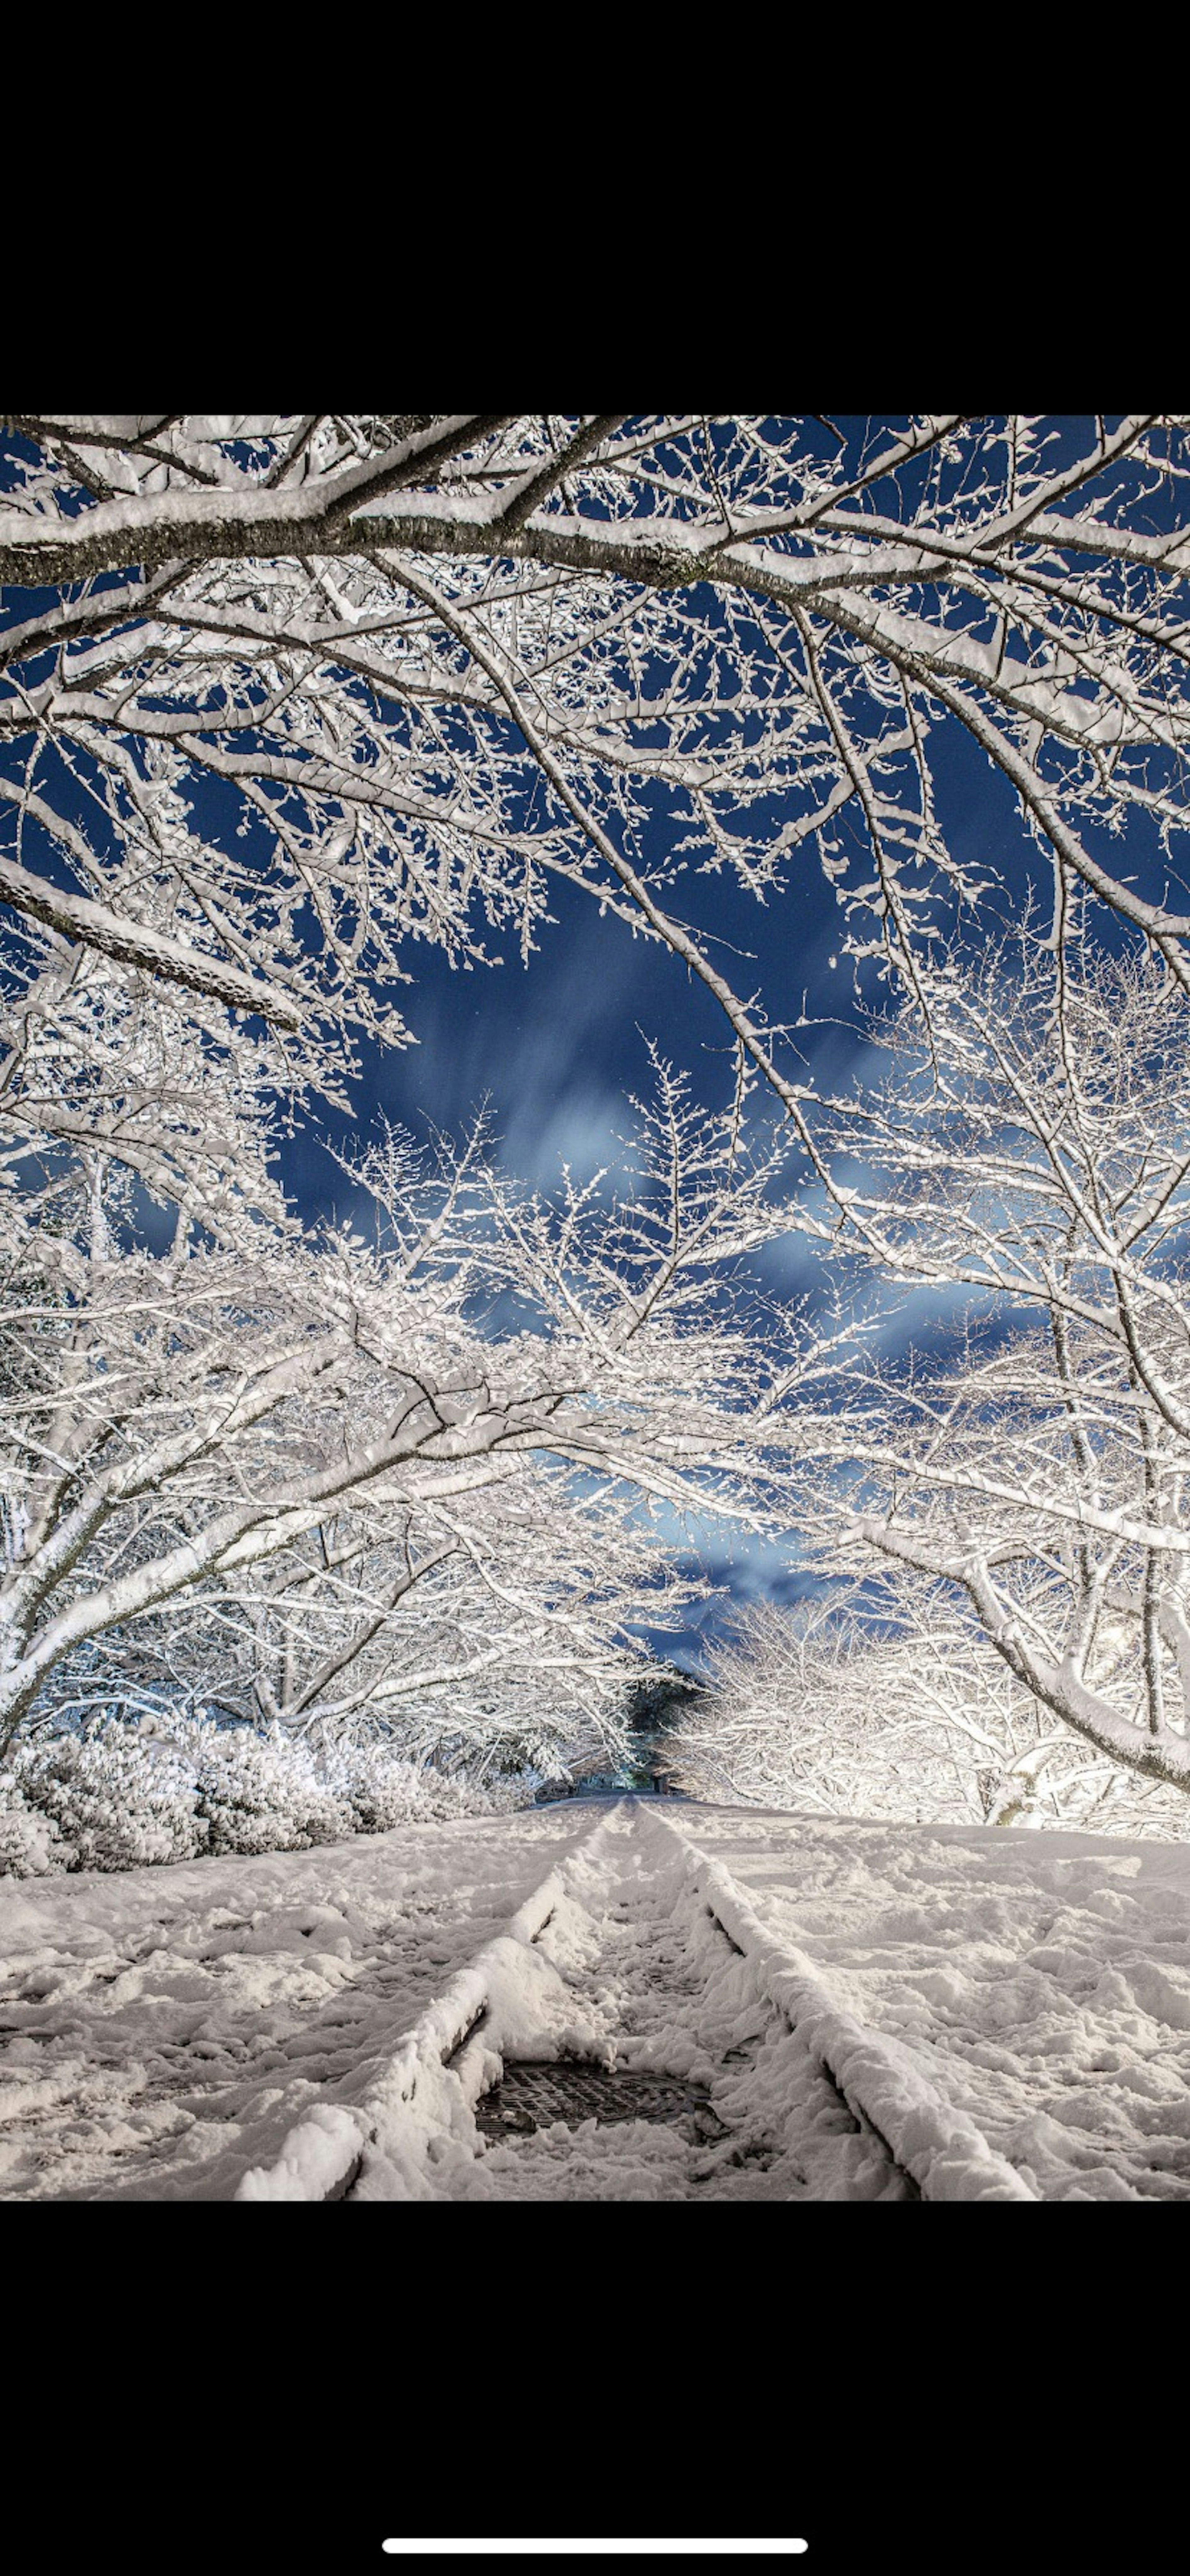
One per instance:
(533, 2096)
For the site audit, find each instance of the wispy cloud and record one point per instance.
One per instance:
(555, 1076)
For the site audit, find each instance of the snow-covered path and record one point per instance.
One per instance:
(654, 1985)
(853, 2011)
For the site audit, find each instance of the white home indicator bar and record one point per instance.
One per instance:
(593, 2548)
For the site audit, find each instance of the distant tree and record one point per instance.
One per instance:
(894, 1705)
(1036, 1148)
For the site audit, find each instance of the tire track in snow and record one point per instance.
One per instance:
(633, 1950)
(644, 1968)
(437, 2072)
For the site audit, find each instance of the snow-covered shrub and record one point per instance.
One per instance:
(380, 1788)
(30, 1843)
(457, 1796)
(115, 1801)
(123, 1797)
(383, 1788)
(258, 1792)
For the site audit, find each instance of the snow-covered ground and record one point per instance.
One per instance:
(161, 2029)
(975, 2013)
(1041, 1979)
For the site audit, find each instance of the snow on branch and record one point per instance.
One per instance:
(312, 670)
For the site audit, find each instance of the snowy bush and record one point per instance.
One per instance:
(460, 1797)
(380, 1788)
(124, 1797)
(113, 1800)
(30, 1843)
(258, 1792)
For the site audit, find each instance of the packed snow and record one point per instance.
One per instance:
(975, 2013)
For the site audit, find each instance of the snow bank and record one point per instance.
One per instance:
(947, 2156)
(316, 2162)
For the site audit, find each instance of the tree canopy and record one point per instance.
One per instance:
(289, 695)
(288, 702)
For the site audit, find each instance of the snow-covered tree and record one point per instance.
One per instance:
(894, 1705)
(282, 697)
(298, 678)
(483, 1631)
(1035, 1148)
(254, 1458)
